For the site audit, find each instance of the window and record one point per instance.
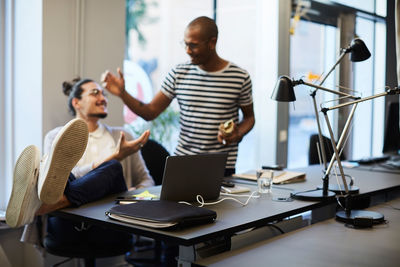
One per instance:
(154, 47)
(20, 85)
(369, 79)
(313, 52)
(5, 162)
(155, 31)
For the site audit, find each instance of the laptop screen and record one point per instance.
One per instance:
(187, 176)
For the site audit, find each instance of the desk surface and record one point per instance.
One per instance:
(231, 216)
(327, 243)
(379, 167)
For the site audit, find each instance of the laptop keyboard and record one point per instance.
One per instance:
(393, 162)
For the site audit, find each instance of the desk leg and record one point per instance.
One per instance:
(3, 258)
(323, 213)
(187, 255)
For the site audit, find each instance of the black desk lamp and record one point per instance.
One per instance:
(349, 215)
(358, 52)
(284, 92)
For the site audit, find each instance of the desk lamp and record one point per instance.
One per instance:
(358, 52)
(348, 215)
(284, 92)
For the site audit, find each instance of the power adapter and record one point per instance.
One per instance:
(363, 222)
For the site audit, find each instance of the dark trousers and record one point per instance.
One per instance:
(105, 180)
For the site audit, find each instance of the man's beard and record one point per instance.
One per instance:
(98, 115)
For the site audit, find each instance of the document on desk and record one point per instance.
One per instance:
(144, 196)
(280, 177)
(237, 189)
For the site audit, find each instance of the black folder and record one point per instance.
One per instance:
(162, 214)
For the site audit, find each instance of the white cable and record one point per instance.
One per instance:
(200, 199)
(337, 177)
(236, 195)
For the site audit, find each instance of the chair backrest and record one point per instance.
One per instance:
(391, 142)
(154, 155)
(313, 152)
(87, 249)
(89, 244)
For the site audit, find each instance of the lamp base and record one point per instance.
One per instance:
(359, 217)
(340, 190)
(313, 195)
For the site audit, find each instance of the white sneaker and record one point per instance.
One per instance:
(24, 201)
(66, 150)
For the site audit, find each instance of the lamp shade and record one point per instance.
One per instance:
(283, 91)
(358, 50)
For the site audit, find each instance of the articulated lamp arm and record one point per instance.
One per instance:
(394, 91)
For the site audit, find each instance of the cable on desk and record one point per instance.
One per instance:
(202, 203)
(277, 228)
(339, 203)
(345, 175)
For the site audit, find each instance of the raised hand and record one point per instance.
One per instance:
(115, 85)
(127, 148)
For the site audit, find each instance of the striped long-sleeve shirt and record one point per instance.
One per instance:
(207, 99)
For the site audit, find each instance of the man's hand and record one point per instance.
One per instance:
(127, 148)
(228, 138)
(115, 85)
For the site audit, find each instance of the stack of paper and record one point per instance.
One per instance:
(280, 177)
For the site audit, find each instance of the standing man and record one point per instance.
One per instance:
(210, 91)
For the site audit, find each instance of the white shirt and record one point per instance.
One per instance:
(100, 145)
(134, 168)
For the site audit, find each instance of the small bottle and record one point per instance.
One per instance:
(264, 180)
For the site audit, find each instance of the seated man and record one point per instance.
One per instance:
(110, 162)
(86, 100)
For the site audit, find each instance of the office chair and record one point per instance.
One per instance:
(87, 249)
(391, 141)
(313, 157)
(154, 156)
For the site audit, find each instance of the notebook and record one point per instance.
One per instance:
(161, 214)
(187, 176)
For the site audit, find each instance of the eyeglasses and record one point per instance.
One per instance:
(95, 92)
(192, 46)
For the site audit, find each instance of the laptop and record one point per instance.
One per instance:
(185, 177)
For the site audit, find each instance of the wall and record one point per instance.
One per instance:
(81, 37)
(48, 42)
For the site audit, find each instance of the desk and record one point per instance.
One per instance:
(232, 217)
(377, 168)
(327, 243)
